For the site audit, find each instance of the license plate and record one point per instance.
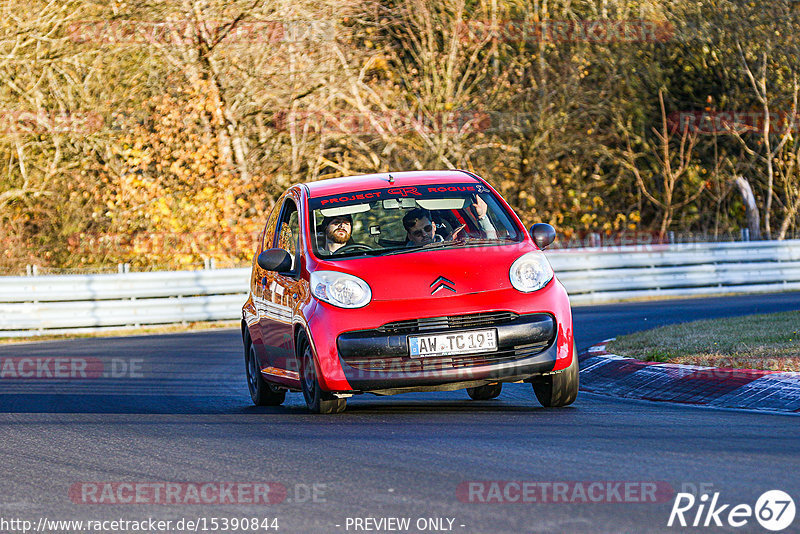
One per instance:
(449, 344)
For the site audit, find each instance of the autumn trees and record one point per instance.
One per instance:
(159, 133)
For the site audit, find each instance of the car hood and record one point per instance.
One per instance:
(437, 274)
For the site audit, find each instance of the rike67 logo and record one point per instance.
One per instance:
(774, 510)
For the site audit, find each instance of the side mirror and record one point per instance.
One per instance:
(543, 235)
(275, 259)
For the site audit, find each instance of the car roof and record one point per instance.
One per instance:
(332, 186)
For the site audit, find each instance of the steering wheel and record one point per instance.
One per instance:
(352, 247)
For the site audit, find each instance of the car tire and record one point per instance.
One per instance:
(317, 400)
(485, 392)
(261, 392)
(560, 389)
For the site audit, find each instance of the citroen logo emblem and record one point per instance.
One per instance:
(442, 283)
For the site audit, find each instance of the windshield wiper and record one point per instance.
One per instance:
(436, 245)
(486, 241)
(440, 244)
(355, 253)
(430, 246)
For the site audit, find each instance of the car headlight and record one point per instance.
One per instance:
(530, 272)
(340, 289)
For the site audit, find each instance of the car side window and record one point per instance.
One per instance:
(269, 229)
(289, 230)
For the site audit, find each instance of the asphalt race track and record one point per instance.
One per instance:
(175, 408)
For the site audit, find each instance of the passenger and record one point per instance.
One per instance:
(480, 209)
(421, 230)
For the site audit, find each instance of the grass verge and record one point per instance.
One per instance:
(769, 341)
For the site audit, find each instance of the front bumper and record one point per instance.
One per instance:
(378, 359)
(325, 324)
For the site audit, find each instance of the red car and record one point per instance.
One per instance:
(409, 281)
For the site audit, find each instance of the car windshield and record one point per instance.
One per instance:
(397, 220)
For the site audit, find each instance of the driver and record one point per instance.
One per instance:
(338, 233)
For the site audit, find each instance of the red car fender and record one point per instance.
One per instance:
(565, 340)
(330, 373)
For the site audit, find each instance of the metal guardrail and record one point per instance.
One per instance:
(31, 305)
(605, 275)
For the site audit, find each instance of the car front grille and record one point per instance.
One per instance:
(474, 320)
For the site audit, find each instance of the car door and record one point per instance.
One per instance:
(259, 280)
(279, 295)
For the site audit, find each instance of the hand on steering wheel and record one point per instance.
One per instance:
(353, 247)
